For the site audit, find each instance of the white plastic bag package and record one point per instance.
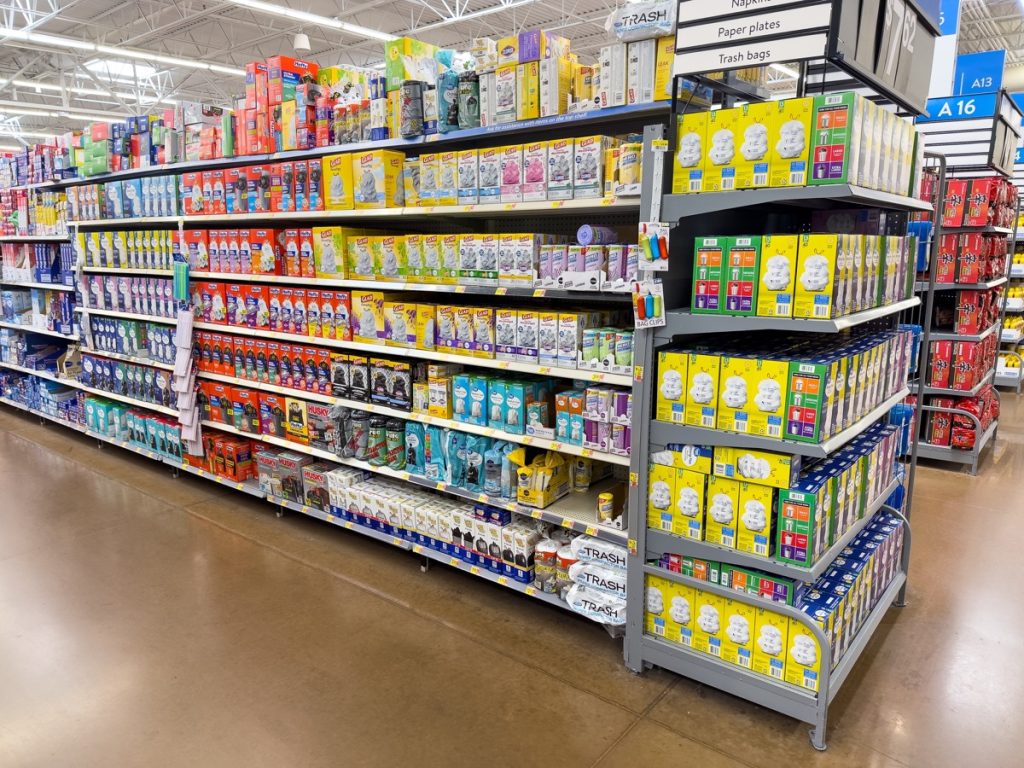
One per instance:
(596, 606)
(610, 581)
(590, 549)
(641, 21)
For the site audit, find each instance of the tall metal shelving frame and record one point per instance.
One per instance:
(715, 212)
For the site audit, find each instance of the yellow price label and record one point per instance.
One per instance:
(404, 475)
(567, 522)
(632, 546)
(305, 509)
(396, 541)
(503, 580)
(468, 208)
(475, 570)
(586, 453)
(417, 548)
(200, 472)
(503, 364)
(460, 289)
(591, 530)
(535, 513)
(638, 373)
(538, 292)
(348, 524)
(608, 201)
(557, 203)
(659, 145)
(633, 479)
(330, 518)
(239, 486)
(531, 591)
(500, 291)
(439, 485)
(453, 561)
(598, 377)
(556, 446)
(509, 206)
(544, 369)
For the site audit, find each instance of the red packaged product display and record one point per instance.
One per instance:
(265, 252)
(213, 192)
(941, 361)
(954, 203)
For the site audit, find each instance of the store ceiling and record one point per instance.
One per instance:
(223, 33)
(38, 74)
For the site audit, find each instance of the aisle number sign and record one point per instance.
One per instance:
(959, 108)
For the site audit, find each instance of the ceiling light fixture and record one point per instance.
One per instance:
(314, 18)
(20, 134)
(70, 42)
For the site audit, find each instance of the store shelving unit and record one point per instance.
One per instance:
(33, 238)
(35, 329)
(716, 213)
(43, 286)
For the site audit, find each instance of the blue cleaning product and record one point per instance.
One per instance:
(493, 468)
(435, 464)
(455, 457)
(476, 447)
(415, 447)
(509, 477)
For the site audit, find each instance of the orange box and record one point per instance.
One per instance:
(213, 192)
(274, 362)
(290, 252)
(249, 358)
(307, 268)
(257, 306)
(313, 316)
(273, 414)
(261, 361)
(323, 370)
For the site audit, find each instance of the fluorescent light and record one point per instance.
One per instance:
(70, 42)
(19, 134)
(11, 149)
(314, 18)
(111, 67)
(788, 71)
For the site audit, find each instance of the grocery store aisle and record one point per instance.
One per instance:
(146, 620)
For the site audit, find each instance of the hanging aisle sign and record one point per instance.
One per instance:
(748, 33)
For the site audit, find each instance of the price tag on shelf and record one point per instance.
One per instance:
(503, 580)
(531, 591)
(453, 561)
(348, 524)
(568, 522)
(538, 292)
(591, 530)
(396, 541)
(638, 373)
(475, 570)
(535, 513)
(417, 548)
(330, 518)
(239, 486)
(500, 291)
(460, 289)
(305, 509)
(632, 546)
(510, 206)
(607, 201)
(633, 479)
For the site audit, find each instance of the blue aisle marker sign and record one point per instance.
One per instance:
(978, 72)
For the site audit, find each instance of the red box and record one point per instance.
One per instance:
(981, 201)
(220, 403)
(969, 258)
(969, 308)
(193, 201)
(274, 362)
(257, 306)
(236, 190)
(274, 303)
(290, 252)
(213, 191)
(256, 80)
(195, 248)
(290, 377)
(307, 267)
(284, 69)
(261, 361)
(342, 315)
(265, 252)
(273, 415)
(204, 356)
(309, 367)
(236, 304)
(249, 352)
(212, 303)
(258, 183)
(940, 422)
(237, 459)
(941, 363)
(203, 400)
(954, 203)
(235, 357)
(284, 187)
(215, 364)
(945, 268)
(965, 370)
(246, 405)
(323, 370)
(313, 316)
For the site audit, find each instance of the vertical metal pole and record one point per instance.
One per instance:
(643, 372)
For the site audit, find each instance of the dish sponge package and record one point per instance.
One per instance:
(790, 140)
(776, 271)
(816, 280)
(691, 139)
(724, 125)
(754, 128)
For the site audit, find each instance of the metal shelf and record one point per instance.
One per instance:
(623, 380)
(250, 487)
(335, 518)
(34, 238)
(128, 358)
(388, 285)
(1008, 380)
(1010, 337)
(127, 315)
(130, 271)
(960, 392)
(126, 399)
(782, 697)
(664, 433)
(684, 322)
(675, 207)
(138, 221)
(950, 336)
(576, 512)
(956, 455)
(993, 283)
(34, 329)
(1017, 271)
(461, 426)
(986, 230)
(43, 286)
(1013, 305)
(659, 542)
(41, 374)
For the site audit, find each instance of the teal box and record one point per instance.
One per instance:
(161, 436)
(478, 407)
(517, 395)
(576, 428)
(460, 397)
(496, 408)
(151, 434)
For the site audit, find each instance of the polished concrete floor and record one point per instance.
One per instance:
(152, 621)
